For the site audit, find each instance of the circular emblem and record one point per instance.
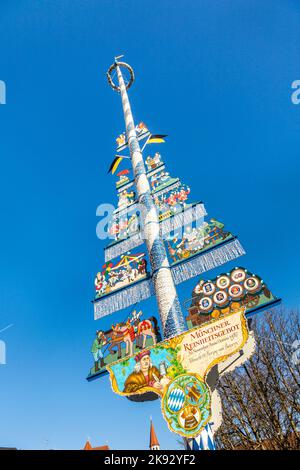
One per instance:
(194, 393)
(236, 291)
(189, 418)
(223, 282)
(205, 304)
(186, 405)
(252, 284)
(209, 288)
(238, 275)
(220, 297)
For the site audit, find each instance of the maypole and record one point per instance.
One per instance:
(171, 316)
(184, 368)
(168, 303)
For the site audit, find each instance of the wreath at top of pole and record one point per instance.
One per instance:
(113, 67)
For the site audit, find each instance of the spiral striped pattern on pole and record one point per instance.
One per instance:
(168, 303)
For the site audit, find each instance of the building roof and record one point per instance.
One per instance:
(89, 447)
(153, 438)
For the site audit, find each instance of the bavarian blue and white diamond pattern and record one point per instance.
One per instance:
(176, 400)
(205, 440)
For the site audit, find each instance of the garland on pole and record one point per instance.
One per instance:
(125, 298)
(129, 234)
(205, 261)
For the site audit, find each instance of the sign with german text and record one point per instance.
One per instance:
(176, 371)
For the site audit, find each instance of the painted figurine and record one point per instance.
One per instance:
(122, 180)
(100, 284)
(121, 140)
(153, 162)
(125, 199)
(218, 228)
(97, 352)
(141, 128)
(194, 239)
(114, 230)
(142, 266)
(182, 195)
(113, 277)
(135, 321)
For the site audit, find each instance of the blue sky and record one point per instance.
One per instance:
(216, 77)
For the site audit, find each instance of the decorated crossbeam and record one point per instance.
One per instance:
(154, 164)
(141, 131)
(196, 251)
(170, 197)
(129, 336)
(132, 267)
(209, 259)
(127, 296)
(238, 288)
(121, 284)
(195, 240)
(126, 199)
(177, 219)
(200, 249)
(123, 180)
(126, 228)
(176, 370)
(170, 201)
(160, 180)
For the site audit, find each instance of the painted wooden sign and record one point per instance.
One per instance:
(176, 370)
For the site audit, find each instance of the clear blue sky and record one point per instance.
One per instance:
(216, 77)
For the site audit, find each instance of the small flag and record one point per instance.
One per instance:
(115, 163)
(123, 172)
(157, 139)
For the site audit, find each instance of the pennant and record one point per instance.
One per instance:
(114, 165)
(156, 139)
(123, 172)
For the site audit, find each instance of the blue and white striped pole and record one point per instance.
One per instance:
(171, 316)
